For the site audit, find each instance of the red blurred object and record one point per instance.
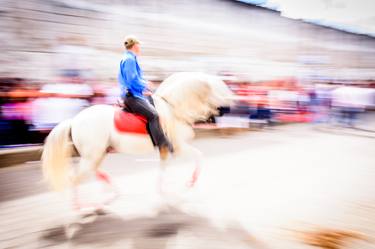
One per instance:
(129, 122)
(294, 118)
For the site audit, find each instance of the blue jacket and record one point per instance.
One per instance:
(130, 76)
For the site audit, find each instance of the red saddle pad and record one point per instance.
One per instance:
(129, 122)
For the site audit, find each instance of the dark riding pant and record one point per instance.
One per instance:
(144, 108)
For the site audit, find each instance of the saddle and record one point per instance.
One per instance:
(127, 122)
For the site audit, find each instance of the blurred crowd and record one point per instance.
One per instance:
(29, 109)
(285, 100)
(72, 48)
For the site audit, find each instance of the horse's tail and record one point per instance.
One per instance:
(56, 156)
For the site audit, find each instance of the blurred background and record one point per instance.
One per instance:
(286, 61)
(289, 165)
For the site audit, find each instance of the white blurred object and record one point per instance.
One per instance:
(47, 112)
(70, 89)
(74, 57)
(351, 15)
(112, 95)
(350, 96)
(232, 122)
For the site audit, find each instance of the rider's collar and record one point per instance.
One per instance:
(132, 54)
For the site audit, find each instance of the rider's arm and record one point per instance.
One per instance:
(135, 80)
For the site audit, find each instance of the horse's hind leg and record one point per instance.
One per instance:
(87, 166)
(162, 168)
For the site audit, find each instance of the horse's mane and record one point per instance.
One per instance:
(194, 96)
(184, 98)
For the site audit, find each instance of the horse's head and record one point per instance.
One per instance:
(184, 98)
(194, 96)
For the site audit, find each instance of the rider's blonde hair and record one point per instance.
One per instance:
(130, 41)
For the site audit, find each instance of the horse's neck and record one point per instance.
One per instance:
(177, 130)
(167, 117)
(163, 108)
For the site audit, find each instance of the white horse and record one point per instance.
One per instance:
(181, 100)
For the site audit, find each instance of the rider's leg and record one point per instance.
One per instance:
(143, 107)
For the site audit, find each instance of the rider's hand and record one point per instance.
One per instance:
(147, 93)
(150, 85)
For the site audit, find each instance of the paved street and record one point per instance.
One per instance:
(258, 189)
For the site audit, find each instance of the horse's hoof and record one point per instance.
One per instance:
(89, 217)
(101, 211)
(72, 229)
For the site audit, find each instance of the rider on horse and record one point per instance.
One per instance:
(133, 87)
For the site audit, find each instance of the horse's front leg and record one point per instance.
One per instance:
(197, 155)
(163, 165)
(195, 175)
(106, 180)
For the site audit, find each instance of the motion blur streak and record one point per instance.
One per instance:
(289, 164)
